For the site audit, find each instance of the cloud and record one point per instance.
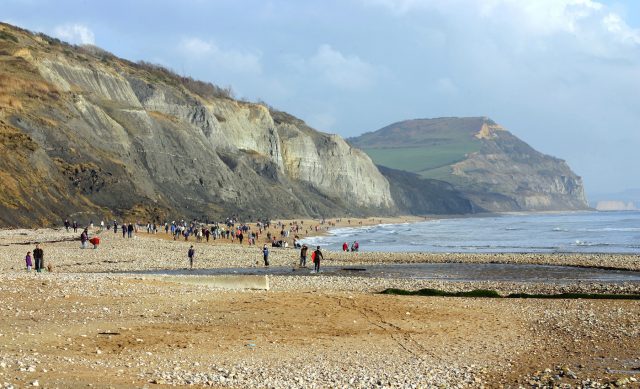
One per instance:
(542, 16)
(446, 86)
(322, 121)
(340, 70)
(621, 30)
(586, 20)
(230, 60)
(75, 33)
(400, 7)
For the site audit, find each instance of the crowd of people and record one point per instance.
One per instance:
(229, 230)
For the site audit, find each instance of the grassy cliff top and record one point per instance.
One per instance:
(424, 146)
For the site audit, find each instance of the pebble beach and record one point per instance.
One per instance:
(91, 314)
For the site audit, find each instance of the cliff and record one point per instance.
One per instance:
(481, 160)
(87, 135)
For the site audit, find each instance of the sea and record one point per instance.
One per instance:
(575, 232)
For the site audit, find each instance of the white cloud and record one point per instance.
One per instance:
(232, 60)
(621, 30)
(340, 70)
(542, 16)
(446, 86)
(549, 16)
(322, 121)
(75, 33)
(587, 20)
(401, 6)
(197, 47)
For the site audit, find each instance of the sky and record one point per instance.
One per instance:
(563, 75)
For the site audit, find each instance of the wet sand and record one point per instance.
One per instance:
(80, 325)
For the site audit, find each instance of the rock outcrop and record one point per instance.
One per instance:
(89, 135)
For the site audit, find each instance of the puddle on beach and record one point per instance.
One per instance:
(433, 271)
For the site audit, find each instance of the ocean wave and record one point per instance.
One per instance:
(583, 232)
(496, 246)
(613, 229)
(591, 244)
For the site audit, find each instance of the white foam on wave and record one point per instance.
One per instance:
(614, 229)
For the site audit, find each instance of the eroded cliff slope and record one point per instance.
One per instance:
(88, 135)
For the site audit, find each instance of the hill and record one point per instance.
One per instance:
(480, 159)
(86, 135)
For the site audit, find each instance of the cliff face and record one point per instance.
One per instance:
(485, 163)
(507, 175)
(89, 135)
(423, 196)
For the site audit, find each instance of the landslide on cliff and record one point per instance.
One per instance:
(86, 135)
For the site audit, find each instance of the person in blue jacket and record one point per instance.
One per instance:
(265, 255)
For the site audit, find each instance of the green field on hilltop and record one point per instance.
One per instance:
(429, 161)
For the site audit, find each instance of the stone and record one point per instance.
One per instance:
(622, 381)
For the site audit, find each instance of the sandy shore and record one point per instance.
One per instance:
(79, 326)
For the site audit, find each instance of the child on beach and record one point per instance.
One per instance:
(28, 261)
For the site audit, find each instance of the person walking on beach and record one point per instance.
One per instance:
(27, 259)
(84, 237)
(265, 255)
(38, 256)
(318, 257)
(191, 254)
(303, 255)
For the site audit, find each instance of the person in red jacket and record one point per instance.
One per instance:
(316, 262)
(345, 246)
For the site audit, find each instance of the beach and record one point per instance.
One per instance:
(96, 320)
